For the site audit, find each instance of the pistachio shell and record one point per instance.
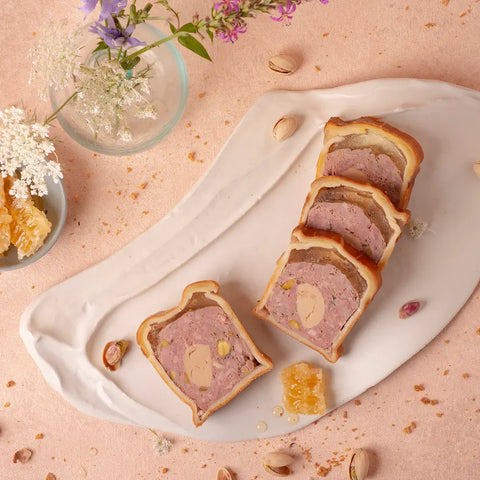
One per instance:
(224, 474)
(284, 127)
(358, 466)
(283, 64)
(277, 471)
(277, 459)
(476, 169)
(22, 456)
(113, 353)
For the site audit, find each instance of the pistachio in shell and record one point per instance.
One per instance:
(282, 64)
(476, 169)
(277, 463)
(284, 127)
(113, 353)
(224, 474)
(358, 465)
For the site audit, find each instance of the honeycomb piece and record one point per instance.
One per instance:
(5, 220)
(30, 225)
(303, 389)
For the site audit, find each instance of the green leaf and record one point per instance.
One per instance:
(101, 46)
(129, 64)
(210, 34)
(173, 28)
(188, 27)
(194, 45)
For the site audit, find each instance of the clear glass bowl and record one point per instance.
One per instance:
(169, 86)
(55, 207)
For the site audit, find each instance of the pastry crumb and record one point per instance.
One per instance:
(10, 383)
(201, 95)
(357, 402)
(317, 68)
(430, 25)
(465, 375)
(50, 476)
(134, 195)
(419, 388)
(409, 429)
(446, 372)
(323, 471)
(39, 436)
(142, 186)
(425, 400)
(445, 2)
(6, 404)
(439, 415)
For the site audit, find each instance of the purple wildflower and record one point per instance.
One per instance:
(115, 36)
(109, 7)
(285, 12)
(227, 6)
(88, 6)
(236, 27)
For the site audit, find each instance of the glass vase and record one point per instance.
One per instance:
(169, 90)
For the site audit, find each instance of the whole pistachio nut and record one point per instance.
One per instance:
(358, 466)
(277, 463)
(284, 127)
(113, 354)
(224, 474)
(283, 64)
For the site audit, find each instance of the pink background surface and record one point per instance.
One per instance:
(343, 42)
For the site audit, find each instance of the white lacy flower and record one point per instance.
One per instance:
(55, 59)
(24, 148)
(416, 227)
(106, 95)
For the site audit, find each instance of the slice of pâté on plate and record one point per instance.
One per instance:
(320, 288)
(362, 214)
(201, 350)
(371, 151)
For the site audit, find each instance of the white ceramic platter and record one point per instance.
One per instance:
(221, 231)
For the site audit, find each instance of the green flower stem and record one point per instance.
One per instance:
(153, 45)
(54, 114)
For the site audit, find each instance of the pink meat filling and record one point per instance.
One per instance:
(380, 170)
(340, 297)
(351, 222)
(204, 326)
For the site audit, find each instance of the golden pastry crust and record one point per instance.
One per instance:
(198, 295)
(304, 239)
(395, 218)
(337, 129)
